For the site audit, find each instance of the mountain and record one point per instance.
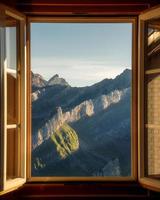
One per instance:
(39, 84)
(68, 97)
(86, 108)
(56, 80)
(37, 81)
(60, 145)
(104, 141)
(98, 117)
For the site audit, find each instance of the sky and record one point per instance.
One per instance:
(82, 53)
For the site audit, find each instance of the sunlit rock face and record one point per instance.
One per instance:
(85, 109)
(56, 80)
(38, 80)
(37, 94)
(81, 131)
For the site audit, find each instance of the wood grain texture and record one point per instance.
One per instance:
(58, 7)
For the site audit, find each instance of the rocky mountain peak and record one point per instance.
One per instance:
(38, 80)
(56, 80)
(125, 73)
(55, 76)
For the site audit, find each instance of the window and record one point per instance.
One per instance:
(81, 99)
(149, 112)
(13, 92)
(16, 102)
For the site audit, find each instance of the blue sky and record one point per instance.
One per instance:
(82, 53)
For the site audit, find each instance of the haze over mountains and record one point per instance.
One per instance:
(81, 131)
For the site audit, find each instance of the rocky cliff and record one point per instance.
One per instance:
(81, 131)
(85, 109)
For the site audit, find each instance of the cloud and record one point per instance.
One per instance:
(78, 72)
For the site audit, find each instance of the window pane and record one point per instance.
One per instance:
(13, 149)
(12, 98)
(81, 99)
(153, 44)
(153, 99)
(153, 152)
(11, 58)
(11, 42)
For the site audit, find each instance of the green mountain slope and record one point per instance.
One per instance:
(65, 141)
(104, 145)
(59, 146)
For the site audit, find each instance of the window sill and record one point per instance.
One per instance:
(80, 190)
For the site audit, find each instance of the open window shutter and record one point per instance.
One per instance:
(13, 100)
(149, 99)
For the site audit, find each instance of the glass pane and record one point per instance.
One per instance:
(13, 150)
(153, 152)
(12, 99)
(81, 99)
(153, 44)
(153, 99)
(152, 118)
(11, 42)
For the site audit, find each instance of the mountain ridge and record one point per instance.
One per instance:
(103, 138)
(56, 80)
(38, 81)
(97, 141)
(86, 108)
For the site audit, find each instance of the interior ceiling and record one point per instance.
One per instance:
(81, 6)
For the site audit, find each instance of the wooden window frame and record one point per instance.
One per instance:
(9, 185)
(147, 182)
(134, 145)
(137, 106)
